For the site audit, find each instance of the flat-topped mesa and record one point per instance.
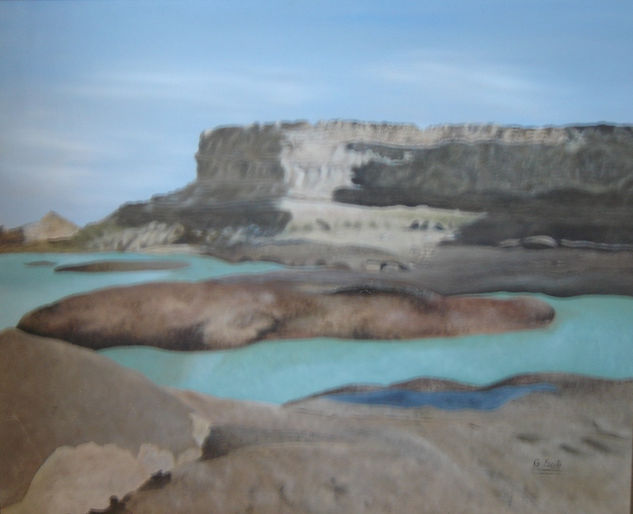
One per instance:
(571, 183)
(236, 154)
(511, 161)
(357, 162)
(300, 159)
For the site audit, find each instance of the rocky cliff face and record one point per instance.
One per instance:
(573, 183)
(281, 180)
(517, 162)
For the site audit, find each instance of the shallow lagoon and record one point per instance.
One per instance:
(591, 335)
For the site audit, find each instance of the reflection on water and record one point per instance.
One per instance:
(591, 335)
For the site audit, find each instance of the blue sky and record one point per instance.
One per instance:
(103, 101)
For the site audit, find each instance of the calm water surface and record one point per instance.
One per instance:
(591, 335)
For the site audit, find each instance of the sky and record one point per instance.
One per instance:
(103, 101)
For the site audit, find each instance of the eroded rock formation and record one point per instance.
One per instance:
(390, 188)
(236, 312)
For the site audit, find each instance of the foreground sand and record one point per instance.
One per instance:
(77, 429)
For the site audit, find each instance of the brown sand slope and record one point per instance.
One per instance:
(53, 394)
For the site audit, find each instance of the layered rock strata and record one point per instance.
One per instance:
(264, 183)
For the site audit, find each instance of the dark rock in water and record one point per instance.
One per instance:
(226, 314)
(106, 266)
(34, 264)
(415, 225)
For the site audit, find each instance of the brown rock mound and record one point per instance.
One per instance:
(52, 227)
(53, 394)
(231, 313)
(105, 266)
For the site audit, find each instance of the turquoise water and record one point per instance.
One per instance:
(23, 288)
(591, 335)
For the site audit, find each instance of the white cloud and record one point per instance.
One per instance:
(460, 79)
(275, 86)
(52, 142)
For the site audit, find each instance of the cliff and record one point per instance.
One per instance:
(383, 186)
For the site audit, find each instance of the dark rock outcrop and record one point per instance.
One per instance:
(573, 182)
(239, 182)
(535, 162)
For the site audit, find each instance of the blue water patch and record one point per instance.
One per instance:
(591, 335)
(23, 287)
(488, 399)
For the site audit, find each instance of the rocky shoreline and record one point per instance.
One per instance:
(455, 269)
(75, 448)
